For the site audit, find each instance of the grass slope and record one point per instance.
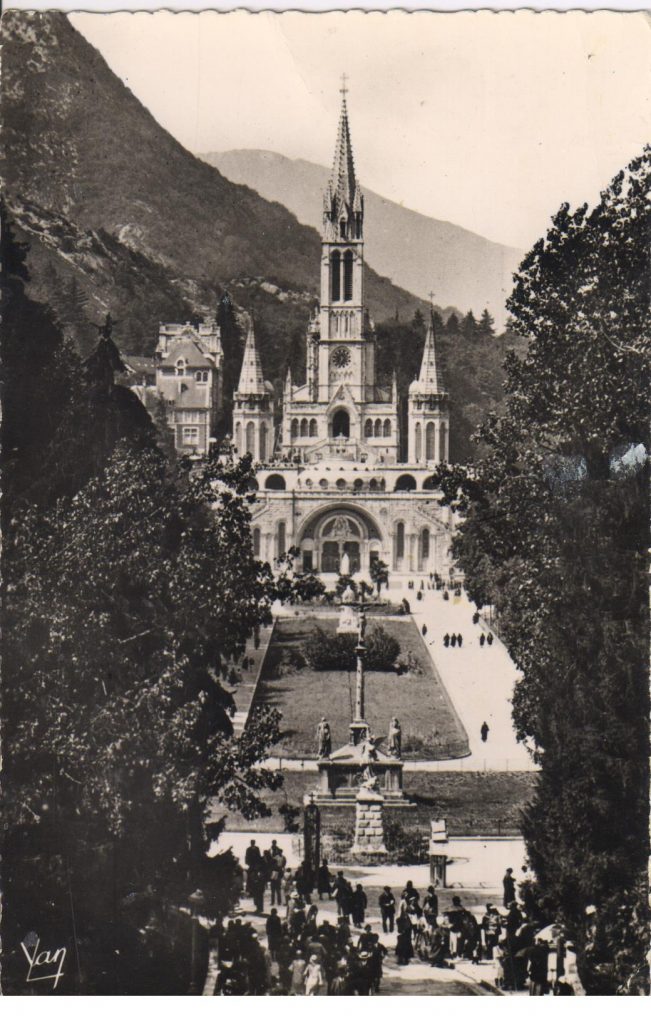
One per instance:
(430, 726)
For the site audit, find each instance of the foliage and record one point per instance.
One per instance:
(554, 534)
(379, 573)
(406, 845)
(290, 814)
(325, 652)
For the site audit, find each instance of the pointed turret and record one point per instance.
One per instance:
(429, 381)
(251, 379)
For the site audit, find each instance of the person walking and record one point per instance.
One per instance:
(489, 639)
(274, 930)
(424, 630)
(491, 924)
(358, 907)
(431, 906)
(508, 885)
(459, 639)
(453, 640)
(297, 975)
(314, 980)
(446, 640)
(324, 879)
(387, 903)
(404, 947)
(484, 732)
(482, 640)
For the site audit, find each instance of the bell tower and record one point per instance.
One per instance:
(346, 355)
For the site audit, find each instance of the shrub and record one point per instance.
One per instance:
(407, 847)
(290, 813)
(325, 651)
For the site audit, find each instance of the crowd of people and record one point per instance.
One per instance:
(307, 954)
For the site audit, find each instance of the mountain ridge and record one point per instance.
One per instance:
(465, 270)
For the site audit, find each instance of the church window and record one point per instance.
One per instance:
(442, 443)
(304, 428)
(180, 367)
(294, 428)
(190, 435)
(263, 441)
(387, 428)
(373, 485)
(378, 428)
(256, 542)
(368, 428)
(429, 441)
(238, 437)
(340, 357)
(250, 438)
(308, 485)
(341, 484)
(342, 228)
(282, 538)
(358, 485)
(313, 428)
(400, 540)
(335, 277)
(201, 376)
(323, 484)
(428, 484)
(419, 443)
(348, 275)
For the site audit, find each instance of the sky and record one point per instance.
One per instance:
(486, 120)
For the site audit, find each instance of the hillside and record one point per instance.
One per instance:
(464, 269)
(118, 216)
(103, 194)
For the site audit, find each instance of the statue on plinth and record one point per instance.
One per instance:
(395, 738)
(370, 781)
(347, 617)
(368, 752)
(323, 738)
(344, 565)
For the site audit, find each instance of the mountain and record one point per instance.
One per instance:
(419, 253)
(108, 199)
(118, 216)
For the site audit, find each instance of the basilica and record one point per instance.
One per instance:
(330, 478)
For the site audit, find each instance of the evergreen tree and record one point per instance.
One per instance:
(554, 535)
(418, 321)
(438, 320)
(452, 326)
(469, 326)
(486, 326)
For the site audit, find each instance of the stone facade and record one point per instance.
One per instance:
(335, 484)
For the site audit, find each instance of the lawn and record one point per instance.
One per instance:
(431, 729)
(473, 803)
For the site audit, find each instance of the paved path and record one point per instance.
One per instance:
(479, 681)
(244, 692)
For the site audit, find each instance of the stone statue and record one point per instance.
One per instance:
(395, 738)
(347, 616)
(344, 566)
(323, 738)
(370, 780)
(368, 752)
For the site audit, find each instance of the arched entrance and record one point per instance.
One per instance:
(339, 531)
(341, 424)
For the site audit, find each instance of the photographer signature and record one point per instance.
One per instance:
(43, 963)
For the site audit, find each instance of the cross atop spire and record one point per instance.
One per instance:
(251, 379)
(344, 90)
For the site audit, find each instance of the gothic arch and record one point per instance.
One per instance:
(250, 438)
(419, 443)
(429, 442)
(348, 275)
(335, 276)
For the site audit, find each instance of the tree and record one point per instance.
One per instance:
(486, 326)
(418, 321)
(554, 534)
(469, 326)
(379, 573)
(452, 326)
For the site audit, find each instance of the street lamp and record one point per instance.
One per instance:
(197, 901)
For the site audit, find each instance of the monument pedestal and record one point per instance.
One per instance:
(340, 776)
(369, 827)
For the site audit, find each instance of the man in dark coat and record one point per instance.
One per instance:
(508, 882)
(387, 903)
(274, 930)
(359, 903)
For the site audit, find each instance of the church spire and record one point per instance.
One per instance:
(343, 203)
(251, 379)
(429, 378)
